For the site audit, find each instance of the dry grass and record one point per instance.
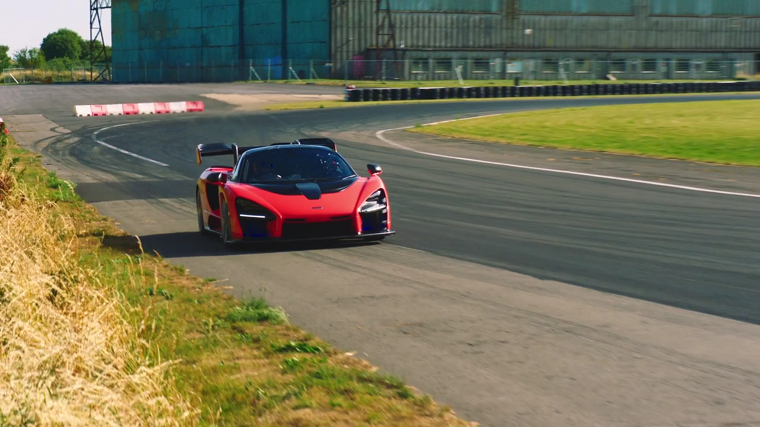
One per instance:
(48, 75)
(95, 332)
(68, 355)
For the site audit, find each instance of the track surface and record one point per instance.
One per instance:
(684, 249)
(691, 250)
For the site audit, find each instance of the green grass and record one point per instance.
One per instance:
(239, 363)
(725, 132)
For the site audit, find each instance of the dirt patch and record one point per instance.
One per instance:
(262, 101)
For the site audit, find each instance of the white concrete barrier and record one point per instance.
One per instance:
(115, 109)
(82, 111)
(178, 107)
(147, 108)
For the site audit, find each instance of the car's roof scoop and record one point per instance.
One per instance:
(311, 190)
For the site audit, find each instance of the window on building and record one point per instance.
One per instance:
(705, 7)
(550, 66)
(712, 66)
(649, 65)
(487, 6)
(481, 65)
(514, 66)
(683, 65)
(582, 65)
(420, 65)
(592, 7)
(444, 65)
(618, 66)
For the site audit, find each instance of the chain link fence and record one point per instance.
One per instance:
(567, 70)
(409, 70)
(53, 74)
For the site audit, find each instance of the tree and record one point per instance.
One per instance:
(63, 43)
(5, 60)
(96, 45)
(29, 58)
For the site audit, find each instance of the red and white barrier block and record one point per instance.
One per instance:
(141, 108)
(2, 126)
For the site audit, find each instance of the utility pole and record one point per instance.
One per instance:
(96, 33)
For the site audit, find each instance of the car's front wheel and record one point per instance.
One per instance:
(227, 227)
(199, 208)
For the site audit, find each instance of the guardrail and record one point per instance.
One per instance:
(433, 93)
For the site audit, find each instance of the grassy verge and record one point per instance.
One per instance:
(726, 132)
(95, 332)
(455, 83)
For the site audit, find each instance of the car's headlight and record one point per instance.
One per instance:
(376, 202)
(250, 209)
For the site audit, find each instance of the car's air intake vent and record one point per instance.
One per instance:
(318, 230)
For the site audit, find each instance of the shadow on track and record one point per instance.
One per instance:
(192, 244)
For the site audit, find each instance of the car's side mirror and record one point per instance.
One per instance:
(374, 169)
(217, 177)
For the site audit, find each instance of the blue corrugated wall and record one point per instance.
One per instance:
(213, 40)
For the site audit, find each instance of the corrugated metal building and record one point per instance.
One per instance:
(539, 39)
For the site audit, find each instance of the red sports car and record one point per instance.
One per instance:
(304, 190)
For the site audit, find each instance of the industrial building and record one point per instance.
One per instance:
(219, 40)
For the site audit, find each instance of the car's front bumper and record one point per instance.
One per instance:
(352, 237)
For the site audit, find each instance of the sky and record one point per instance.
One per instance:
(25, 24)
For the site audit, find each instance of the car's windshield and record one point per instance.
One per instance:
(301, 164)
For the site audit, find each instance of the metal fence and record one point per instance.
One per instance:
(567, 70)
(52, 74)
(435, 69)
(415, 69)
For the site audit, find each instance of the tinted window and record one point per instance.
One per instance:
(294, 165)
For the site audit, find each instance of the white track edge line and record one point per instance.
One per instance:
(380, 136)
(95, 138)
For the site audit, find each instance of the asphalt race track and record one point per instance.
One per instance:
(472, 222)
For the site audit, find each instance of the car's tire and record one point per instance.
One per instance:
(199, 208)
(227, 227)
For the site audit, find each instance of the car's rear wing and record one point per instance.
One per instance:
(210, 150)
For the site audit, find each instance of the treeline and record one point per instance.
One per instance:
(61, 49)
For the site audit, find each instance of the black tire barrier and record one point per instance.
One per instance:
(405, 94)
(355, 95)
(428, 94)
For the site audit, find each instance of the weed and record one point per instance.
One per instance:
(256, 311)
(297, 347)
